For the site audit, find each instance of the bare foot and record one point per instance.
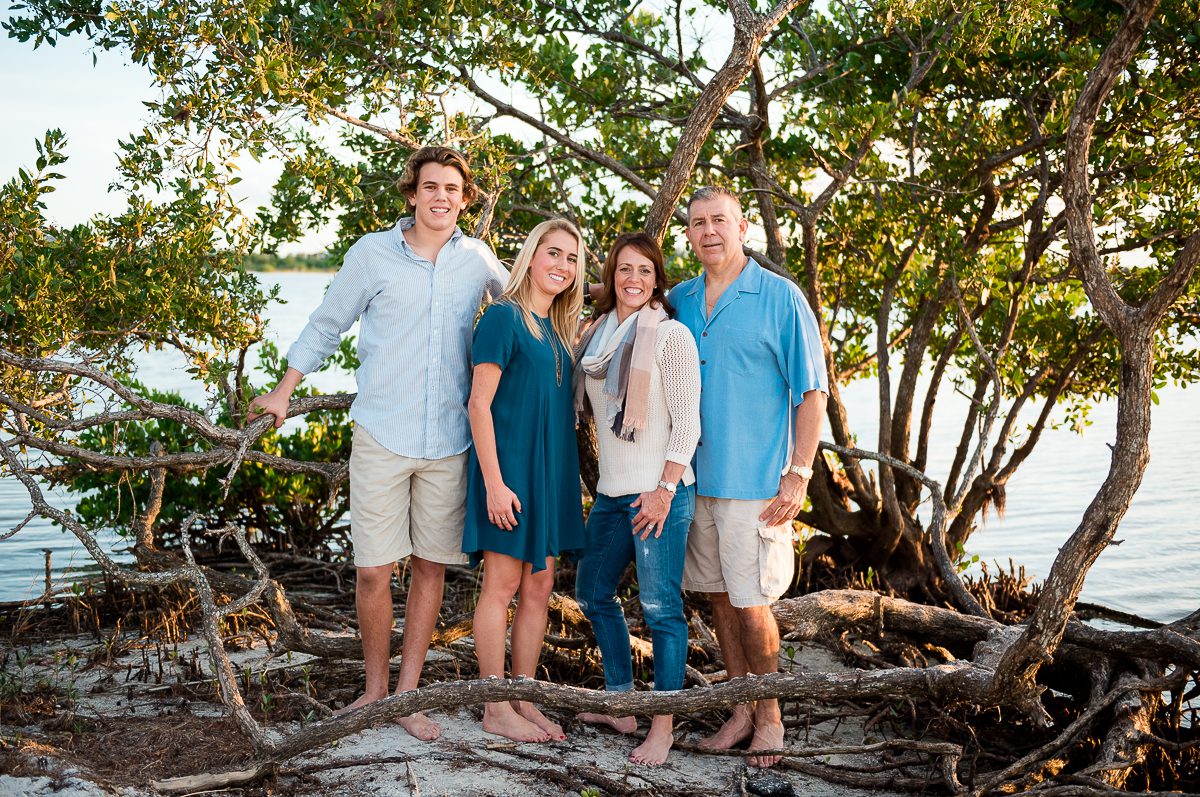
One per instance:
(531, 713)
(502, 720)
(420, 727)
(738, 728)
(365, 699)
(766, 737)
(618, 724)
(653, 752)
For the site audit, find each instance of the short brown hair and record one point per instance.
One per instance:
(645, 245)
(707, 192)
(444, 156)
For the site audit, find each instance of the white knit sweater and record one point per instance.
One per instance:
(672, 421)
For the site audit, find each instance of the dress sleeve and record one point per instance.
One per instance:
(801, 357)
(679, 364)
(495, 335)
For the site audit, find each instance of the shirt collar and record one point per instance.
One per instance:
(407, 223)
(749, 281)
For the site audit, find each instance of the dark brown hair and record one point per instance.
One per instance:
(643, 244)
(444, 156)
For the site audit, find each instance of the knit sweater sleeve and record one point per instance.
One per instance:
(679, 364)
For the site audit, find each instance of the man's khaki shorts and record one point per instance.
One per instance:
(729, 550)
(401, 506)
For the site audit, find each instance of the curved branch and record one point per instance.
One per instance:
(1077, 194)
(937, 525)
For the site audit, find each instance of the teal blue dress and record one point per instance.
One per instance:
(533, 414)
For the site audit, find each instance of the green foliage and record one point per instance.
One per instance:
(283, 511)
(958, 184)
(157, 274)
(263, 262)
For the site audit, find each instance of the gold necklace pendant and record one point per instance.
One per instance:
(552, 339)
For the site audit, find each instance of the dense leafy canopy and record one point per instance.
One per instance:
(902, 162)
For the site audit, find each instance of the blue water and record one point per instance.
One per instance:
(1151, 573)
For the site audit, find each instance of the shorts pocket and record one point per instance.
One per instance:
(776, 559)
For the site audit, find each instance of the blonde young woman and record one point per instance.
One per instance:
(523, 508)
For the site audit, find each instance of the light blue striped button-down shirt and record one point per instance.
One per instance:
(414, 342)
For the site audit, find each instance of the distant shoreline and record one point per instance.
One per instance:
(269, 263)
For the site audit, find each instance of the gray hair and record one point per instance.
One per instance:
(707, 192)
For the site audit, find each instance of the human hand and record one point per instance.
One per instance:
(653, 508)
(503, 506)
(785, 505)
(274, 402)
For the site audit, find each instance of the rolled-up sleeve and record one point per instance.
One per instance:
(348, 296)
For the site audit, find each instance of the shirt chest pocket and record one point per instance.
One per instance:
(463, 303)
(745, 350)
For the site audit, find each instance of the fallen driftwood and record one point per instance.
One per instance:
(954, 681)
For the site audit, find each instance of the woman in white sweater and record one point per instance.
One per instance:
(638, 373)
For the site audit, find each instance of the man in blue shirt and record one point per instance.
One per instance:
(762, 404)
(417, 289)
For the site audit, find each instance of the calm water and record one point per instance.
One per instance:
(1151, 573)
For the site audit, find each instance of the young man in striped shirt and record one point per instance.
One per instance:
(416, 289)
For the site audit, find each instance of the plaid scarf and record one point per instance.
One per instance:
(630, 348)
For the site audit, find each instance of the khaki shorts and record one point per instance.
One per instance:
(401, 506)
(730, 551)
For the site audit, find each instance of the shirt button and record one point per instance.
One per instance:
(699, 442)
(704, 334)
(704, 362)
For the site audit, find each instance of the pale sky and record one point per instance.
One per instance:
(95, 106)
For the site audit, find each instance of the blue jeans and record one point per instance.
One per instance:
(611, 545)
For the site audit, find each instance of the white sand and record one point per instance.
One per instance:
(464, 761)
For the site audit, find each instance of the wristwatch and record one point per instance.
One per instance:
(668, 486)
(803, 471)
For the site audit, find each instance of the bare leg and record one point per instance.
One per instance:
(740, 725)
(659, 740)
(760, 644)
(373, 600)
(501, 578)
(528, 635)
(420, 619)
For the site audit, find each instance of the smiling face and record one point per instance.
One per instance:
(634, 281)
(716, 230)
(555, 261)
(438, 198)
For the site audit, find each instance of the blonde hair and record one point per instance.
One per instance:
(564, 310)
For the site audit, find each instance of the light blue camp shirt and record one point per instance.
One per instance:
(414, 342)
(760, 352)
